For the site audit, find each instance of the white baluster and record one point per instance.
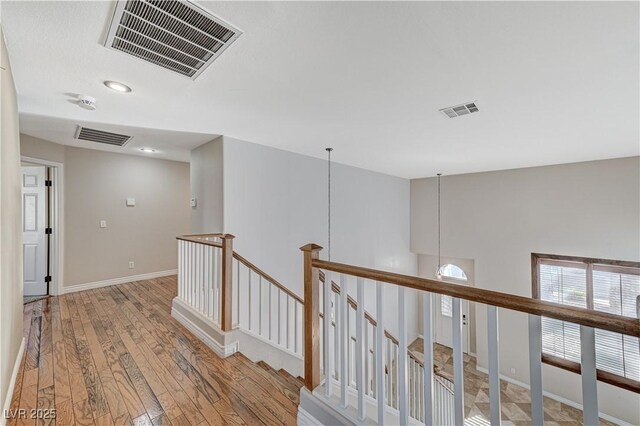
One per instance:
(361, 349)
(295, 327)
(288, 299)
(336, 334)
(180, 269)
(214, 284)
(269, 313)
(206, 290)
(250, 310)
(260, 302)
(588, 373)
(367, 354)
(535, 369)
(458, 364)
(279, 295)
(403, 388)
(344, 340)
(237, 293)
(328, 369)
(494, 364)
(427, 331)
(379, 355)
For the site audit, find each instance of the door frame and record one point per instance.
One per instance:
(56, 258)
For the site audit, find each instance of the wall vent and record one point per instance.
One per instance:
(100, 136)
(458, 110)
(174, 34)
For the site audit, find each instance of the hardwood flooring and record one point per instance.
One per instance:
(115, 356)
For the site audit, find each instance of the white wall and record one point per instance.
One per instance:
(499, 218)
(276, 201)
(206, 187)
(10, 228)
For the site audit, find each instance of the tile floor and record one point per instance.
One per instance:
(515, 400)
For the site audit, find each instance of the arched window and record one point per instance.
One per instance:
(451, 272)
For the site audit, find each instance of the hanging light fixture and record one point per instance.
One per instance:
(329, 201)
(439, 272)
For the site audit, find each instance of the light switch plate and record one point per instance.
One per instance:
(194, 202)
(131, 202)
(103, 224)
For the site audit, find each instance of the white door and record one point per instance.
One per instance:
(34, 248)
(443, 323)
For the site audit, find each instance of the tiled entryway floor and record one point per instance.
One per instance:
(515, 400)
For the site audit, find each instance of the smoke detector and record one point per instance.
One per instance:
(87, 102)
(458, 110)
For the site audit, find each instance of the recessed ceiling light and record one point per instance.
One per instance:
(118, 87)
(149, 150)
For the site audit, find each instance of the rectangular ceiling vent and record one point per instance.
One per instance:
(100, 136)
(457, 111)
(174, 34)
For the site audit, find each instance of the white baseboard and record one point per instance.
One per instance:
(556, 397)
(116, 281)
(190, 319)
(306, 419)
(12, 383)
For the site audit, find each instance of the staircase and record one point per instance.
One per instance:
(243, 313)
(333, 360)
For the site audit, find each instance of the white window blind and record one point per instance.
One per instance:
(600, 287)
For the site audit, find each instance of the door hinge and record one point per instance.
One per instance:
(47, 279)
(48, 182)
(48, 231)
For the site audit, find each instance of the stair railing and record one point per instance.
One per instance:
(443, 396)
(232, 292)
(320, 344)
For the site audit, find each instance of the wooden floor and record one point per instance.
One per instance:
(116, 356)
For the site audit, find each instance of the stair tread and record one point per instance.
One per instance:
(278, 382)
(291, 379)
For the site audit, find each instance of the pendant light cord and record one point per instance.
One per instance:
(329, 201)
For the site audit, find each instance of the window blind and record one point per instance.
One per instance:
(613, 290)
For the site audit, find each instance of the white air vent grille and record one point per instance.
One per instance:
(100, 136)
(174, 34)
(457, 111)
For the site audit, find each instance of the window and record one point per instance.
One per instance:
(601, 285)
(453, 273)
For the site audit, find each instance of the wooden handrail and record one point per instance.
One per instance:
(198, 239)
(267, 277)
(590, 318)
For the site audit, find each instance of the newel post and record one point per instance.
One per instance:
(226, 284)
(311, 317)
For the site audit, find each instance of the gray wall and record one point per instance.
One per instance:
(206, 187)
(96, 186)
(276, 201)
(10, 226)
(499, 218)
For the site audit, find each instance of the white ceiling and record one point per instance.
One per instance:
(169, 145)
(555, 81)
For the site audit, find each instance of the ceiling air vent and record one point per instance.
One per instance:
(457, 111)
(176, 34)
(100, 136)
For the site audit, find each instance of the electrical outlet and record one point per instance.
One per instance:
(512, 370)
(132, 265)
(103, 224)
